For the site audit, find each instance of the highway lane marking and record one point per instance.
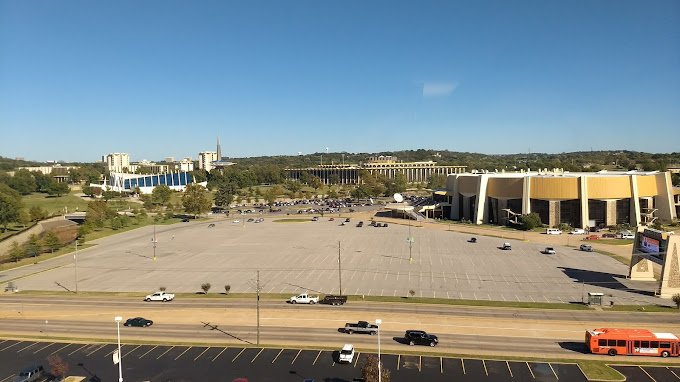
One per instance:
(553, 370)
(199, 356)
(462, 363)
(182, 353)
(239, 353)
(219, 354)
(62, 348)
(317, 357)
(13, 345)
(71, 353)
(147, 352)
(296, 355)
(24, 348)
(257, 355)
(170, 348)
(645, 371)
(44, 347)
(531, 371)
(277, 356)
(130, 352)
(509, 369)
(485, 370)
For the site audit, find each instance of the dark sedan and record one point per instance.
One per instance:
(138, 321)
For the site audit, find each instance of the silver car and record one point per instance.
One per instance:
(30, 374)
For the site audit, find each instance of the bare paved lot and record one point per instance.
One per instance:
(293, 257)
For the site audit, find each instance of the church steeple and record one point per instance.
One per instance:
(219, 150)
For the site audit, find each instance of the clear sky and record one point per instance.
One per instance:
(79, 79)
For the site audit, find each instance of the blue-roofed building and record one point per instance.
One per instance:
(122, 182)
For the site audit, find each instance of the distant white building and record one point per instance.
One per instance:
(206, 159)
(186, 164)
(117, 162)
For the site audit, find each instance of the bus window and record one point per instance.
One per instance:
(637, 344)
(654, 344)
(621, 343)
(611, 342)
(645, 344)
(665, 345)
(601, 343)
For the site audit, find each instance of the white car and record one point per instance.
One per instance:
(578, 231)
(549, 251)
(346, 354)
(160, 296)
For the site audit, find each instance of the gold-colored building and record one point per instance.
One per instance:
(578, 199)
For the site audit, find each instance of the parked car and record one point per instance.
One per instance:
(549, 251)
(315, 218)
(360, 224)
(625, 235)
(346, 354)
(586, 248)
(331, 219)
(553, 231)
(347, 220)
(578, 231)
(591, 237)
(138, 321)
(506, 247)
(419, 337)
(608, 235)
(30, 374)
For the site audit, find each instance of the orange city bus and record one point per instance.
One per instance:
(614, 341)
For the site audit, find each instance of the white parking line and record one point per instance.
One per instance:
(45, 347)
(485, 370)
(553, 370)
(510, 370)
(531, 371)
(441, 365)
(463, 365)
(420, 363)
(277, 356)
(398, 362)
(672, 372)
(71, 353)
(171, 347)
(131, 351)
(199, 356)
(8, 378)
(296, 355)
(61, 348)
(257, 355)
(13, 345)
(218, 354)
(317, 357)
(645, 371)
(24, 348)
(147, 352)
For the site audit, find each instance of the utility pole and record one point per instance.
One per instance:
(154, 242)
(339, 269)
(410, 242)
(75, 257)
(257, 289)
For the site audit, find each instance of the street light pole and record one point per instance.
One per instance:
(75, 257)
(154, 242)
(339, 269)
(118, 319)
(378, 322)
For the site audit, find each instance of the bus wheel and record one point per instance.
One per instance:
(612, 352)
(665, 354)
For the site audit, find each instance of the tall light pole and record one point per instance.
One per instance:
(154, 242)
(339, 269)
(410, 242)
(118, 319)
(75, 257)
(377, 322)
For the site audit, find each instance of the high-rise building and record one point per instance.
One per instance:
(206, 159)
(117, 162)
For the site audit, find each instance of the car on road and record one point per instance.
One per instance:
(346, 354)
(315, 218)
(30, 374)
(419, 337)
(506, 247)
(360, 224)
(472, 240)
(609, 235)
(138, 321)
(361, 327)
(553, 231)
(625, 235)
(549, 251)
(304, 298)
(586, 248)
(160, 296)
(185, 220)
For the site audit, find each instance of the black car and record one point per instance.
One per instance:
(138, 321)
(419, 337)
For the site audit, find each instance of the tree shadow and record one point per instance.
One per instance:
(602, 280)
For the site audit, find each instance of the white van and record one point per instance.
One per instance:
(553, 231)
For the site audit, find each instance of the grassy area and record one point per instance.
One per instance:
(615, 241)
(55, 205)
(645, 308)
(14, 228)
(599, 371)
(45, 256)
(620, 259)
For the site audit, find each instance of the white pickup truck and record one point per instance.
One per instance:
(160, 296)
(304, 299)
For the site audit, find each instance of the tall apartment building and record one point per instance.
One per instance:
(186, 164)
(206, 159)
(117, 162)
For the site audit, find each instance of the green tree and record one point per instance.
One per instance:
(32, 246)
(98, 212)
(10, 205)
(196, 200)
(37, 213)
(205, 287)
(270, 196)
(315, 182)
(370, 370)
(332, 193)
(161, 195)
(51, 241)
(398, 184)
(24, 217)
(436, 182)
(87, 190)
(530, 221)
(42, 181)
(225, 194)
(16, 253)
(23, 182)
(676, 300)
(58, 189)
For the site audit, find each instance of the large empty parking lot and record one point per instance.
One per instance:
(298, 256)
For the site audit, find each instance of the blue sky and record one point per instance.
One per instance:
(79, 79)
